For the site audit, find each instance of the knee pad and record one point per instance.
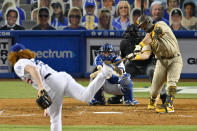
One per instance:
(172, 90)
(126, 82)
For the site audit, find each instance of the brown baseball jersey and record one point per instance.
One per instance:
(169, 64)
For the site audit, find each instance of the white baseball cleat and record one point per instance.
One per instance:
(106, 71)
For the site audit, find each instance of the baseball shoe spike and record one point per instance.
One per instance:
(152, 104)
(165, 109)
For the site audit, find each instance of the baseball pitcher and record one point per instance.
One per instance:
(163, 43)
(52, 84)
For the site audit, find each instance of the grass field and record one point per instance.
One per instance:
(100, 128)
(8, 89)
(18, 89)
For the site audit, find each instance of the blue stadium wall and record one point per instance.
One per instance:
(74, 51)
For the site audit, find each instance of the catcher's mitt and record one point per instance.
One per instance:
(44, 101)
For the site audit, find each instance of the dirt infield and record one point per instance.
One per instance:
(26, 112)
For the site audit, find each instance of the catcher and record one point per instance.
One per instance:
(52, 86)
(163, 43)
(119, 83)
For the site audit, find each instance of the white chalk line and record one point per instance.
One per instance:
(82, 112)
(185, 116)
(16, 115)
(108, 112)
(19, 115)
(180, 90)
(2, 111)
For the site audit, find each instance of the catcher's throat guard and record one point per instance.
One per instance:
(44, 101)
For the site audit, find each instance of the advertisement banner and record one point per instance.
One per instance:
(61, 53)
(93, 46)
(5, 44)
(188, 49)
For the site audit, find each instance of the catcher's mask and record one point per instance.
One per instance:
(146, 21)
(106, 49)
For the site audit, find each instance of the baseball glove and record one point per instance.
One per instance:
(44, 100)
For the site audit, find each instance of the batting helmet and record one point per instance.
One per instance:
(144, 19)
(107, 48)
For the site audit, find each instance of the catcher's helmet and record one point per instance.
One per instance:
(144, 19)
(107, 48)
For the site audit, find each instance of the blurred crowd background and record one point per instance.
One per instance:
(94, 14)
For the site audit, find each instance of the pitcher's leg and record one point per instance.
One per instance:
(79, 92)
(56, 118)
(55, 110)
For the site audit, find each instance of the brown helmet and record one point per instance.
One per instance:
(145, 19)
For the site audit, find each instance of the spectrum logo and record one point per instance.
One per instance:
(54, 54)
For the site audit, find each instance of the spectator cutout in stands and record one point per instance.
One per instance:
(58, 20)
(11, 3)
(78, 4)
(124, 19)
(176, 19)
(11, 20)
(110, 5)
(34, 4)
(190, 21)
(171, 4)
(41, 3)
(67, 6)
(105, 20)
(6, 4)
(90, 20)
(22, 13)
(99, 3)
(43, 20)
(157, 13)
(146, 8)
(74, 18)
(136, 12)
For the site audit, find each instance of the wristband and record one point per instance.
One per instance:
(142, 44)
(137, 57)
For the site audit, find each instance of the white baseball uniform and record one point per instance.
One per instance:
(58, 85)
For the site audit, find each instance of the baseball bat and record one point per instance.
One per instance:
(142, 7)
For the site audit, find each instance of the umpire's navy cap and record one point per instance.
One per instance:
(17, 47)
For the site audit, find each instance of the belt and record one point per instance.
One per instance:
(164, 57)
(47, 75)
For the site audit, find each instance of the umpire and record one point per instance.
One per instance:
(132, 36)
(128, 45)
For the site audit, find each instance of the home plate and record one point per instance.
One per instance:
(107, 112)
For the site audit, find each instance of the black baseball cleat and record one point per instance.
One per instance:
(95, 103)
(115, 100)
